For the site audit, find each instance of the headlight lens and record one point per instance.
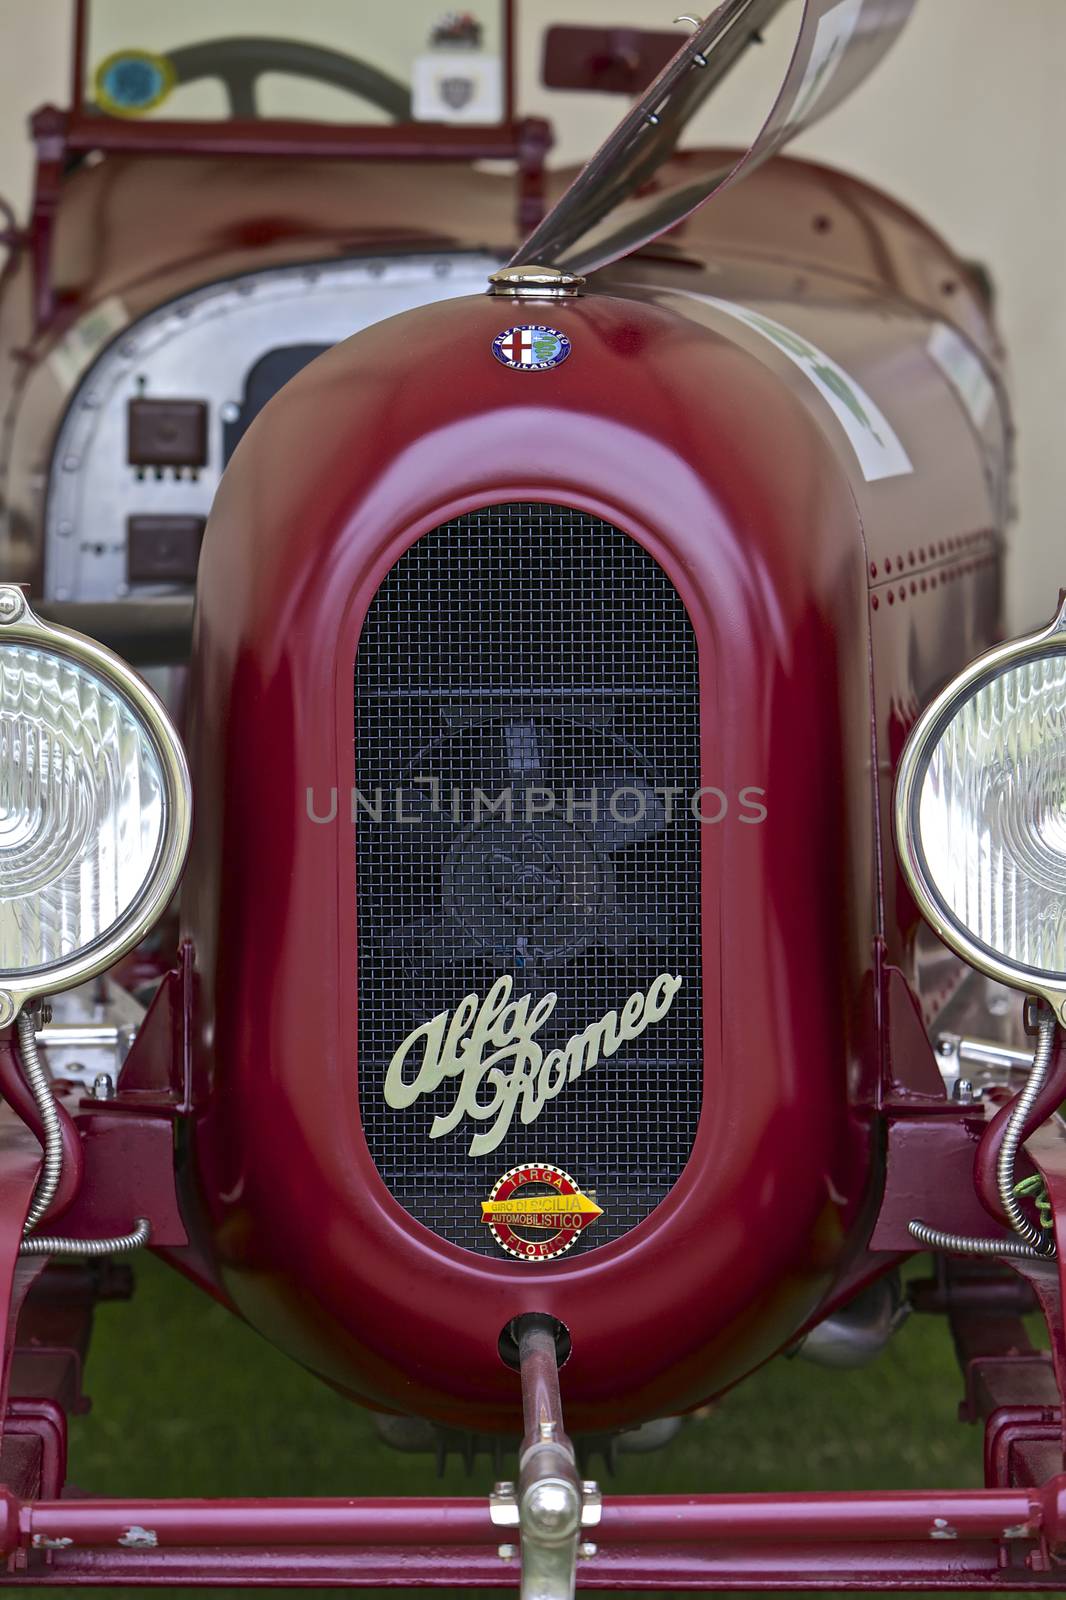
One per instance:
(81, 808)
(94, 807)
(992, 815)
(981, 813)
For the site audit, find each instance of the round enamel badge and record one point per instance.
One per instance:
(537, 1212)
(531, 349)
(130, 83)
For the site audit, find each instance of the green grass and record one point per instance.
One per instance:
(188, 1401)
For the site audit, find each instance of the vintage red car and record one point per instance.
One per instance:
(609, 824)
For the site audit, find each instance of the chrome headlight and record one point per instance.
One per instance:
(981, 813)
(95, 806)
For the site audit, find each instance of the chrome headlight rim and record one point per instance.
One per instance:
(20, 624)
(910, 776)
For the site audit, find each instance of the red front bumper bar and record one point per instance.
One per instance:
(982, 1538)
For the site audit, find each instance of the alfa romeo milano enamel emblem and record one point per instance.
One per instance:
(531, 349)
(538, 1200)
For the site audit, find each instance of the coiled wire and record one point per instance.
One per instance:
(1031, 1244)
(37, 1078)
(1012, 1138)
(52, 1167)
(962, 1244)
(43, 1245)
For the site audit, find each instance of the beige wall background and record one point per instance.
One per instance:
(966, 122)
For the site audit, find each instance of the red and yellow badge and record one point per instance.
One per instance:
(536, 1198)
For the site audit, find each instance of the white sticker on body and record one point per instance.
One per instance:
(965, 371)
(85, 337)
(873, 438)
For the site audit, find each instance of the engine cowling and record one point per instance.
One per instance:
(428, 572)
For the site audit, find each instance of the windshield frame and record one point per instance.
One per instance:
(281, 136)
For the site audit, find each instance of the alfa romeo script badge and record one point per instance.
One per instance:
(531, 349)
(535, 1200)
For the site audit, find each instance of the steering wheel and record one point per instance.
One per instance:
(240, 63)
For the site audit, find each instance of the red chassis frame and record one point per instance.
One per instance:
(1010, 1534)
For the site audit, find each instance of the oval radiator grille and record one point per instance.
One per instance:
(537, 660)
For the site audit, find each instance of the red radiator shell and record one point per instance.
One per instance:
(665, 422)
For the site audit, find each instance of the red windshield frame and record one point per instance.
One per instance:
(280, 136)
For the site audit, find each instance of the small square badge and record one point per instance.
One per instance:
(457, 86)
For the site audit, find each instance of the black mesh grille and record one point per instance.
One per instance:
(534, 652)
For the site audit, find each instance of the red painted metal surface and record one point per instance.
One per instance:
(45, 1423)
(1046, 1148)
(431, 426)
(1023, 1445)
(905, 1515)
(942, 1157)
(878, 1540)
(785, 1569)
(702, 435)
(316, 141)
(149, 227)
(827, 610)
(606, 60)
(714, 503)
(20, 1160)
(129, 1173)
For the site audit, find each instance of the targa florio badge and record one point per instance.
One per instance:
(489, 1046)
(537, 1198)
